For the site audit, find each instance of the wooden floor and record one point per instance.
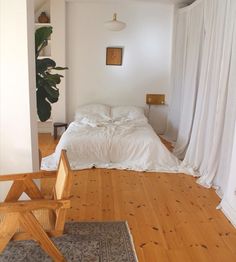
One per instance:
(172, 219)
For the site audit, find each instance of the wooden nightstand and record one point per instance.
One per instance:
(56, 125)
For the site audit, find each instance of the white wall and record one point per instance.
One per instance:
(18, 127)
(146, 62)
(58, 17)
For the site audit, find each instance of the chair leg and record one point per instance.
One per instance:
(55, 132)
(31, 225)
(8, 226)
(61, 218)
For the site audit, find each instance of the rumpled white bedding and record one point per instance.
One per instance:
(120, 144)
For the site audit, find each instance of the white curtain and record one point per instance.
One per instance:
(228, 204)
(179, 55)
(227, 171)
(205, 145)
(207, 118)
(190, 81)
(229, 128)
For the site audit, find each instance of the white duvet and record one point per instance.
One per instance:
(120, 144)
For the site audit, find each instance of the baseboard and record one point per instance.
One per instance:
(229, 211)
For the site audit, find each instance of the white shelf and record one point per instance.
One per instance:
(41, 57)
(43, 24)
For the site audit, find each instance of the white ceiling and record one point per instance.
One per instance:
(170, 1)
(160, 1)
(39, 3)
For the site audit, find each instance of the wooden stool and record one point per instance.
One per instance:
(56, 125)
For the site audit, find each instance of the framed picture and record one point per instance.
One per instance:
(114, 56)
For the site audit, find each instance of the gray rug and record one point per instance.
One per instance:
(82, 242)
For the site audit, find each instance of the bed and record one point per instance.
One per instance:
(112, 137)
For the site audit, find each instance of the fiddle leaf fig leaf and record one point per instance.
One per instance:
(42, 34)
(52, 99)
(44, 64)
(52, 92)
(60, 68)
(44, 109)
(56, 78)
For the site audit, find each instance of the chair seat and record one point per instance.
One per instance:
(46, 218)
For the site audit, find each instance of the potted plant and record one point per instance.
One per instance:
(47, 80)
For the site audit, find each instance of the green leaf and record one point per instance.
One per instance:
(60, 68)
(45, 91)
(41, 93)
(52, 91)
(52, 99)
(55, 78)
(44, 64)
(43, 109)
(42, 34)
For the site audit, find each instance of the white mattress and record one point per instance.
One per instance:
(121, 144)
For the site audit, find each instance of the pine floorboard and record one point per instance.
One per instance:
(171, 217)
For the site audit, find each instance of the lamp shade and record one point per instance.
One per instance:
(114, 24)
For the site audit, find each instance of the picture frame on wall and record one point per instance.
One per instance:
(114, 56)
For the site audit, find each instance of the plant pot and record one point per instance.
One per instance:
(43, 18)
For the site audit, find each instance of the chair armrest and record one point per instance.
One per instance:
(34, 175)
(29, 205)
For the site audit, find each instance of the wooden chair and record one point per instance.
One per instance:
(37, 218)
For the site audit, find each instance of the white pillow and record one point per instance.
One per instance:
(127, 112)
(95, 112)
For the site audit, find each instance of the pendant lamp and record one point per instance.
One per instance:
(114, 24)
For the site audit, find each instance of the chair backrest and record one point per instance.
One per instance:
(64, 178)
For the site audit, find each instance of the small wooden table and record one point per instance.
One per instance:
(56, 125)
